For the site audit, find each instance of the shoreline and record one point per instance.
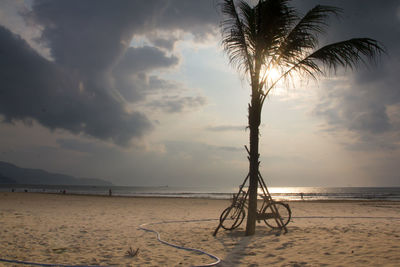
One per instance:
(206, 198)
(290, 194)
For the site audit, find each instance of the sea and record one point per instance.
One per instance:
(278, 193)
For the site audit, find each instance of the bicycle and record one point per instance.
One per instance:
(275, 214)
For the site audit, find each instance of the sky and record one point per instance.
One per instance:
(141, 93)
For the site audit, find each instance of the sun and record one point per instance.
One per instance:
(274, 78)
(273, 75)
(270, 75)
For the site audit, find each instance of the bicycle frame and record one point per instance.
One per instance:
(240, 201)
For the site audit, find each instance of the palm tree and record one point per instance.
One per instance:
(272, 35)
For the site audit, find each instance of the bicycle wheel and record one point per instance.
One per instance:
(232, 217)
(284, 213)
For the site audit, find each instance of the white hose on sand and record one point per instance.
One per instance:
(217, 260)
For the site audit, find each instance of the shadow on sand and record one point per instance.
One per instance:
(239, 246)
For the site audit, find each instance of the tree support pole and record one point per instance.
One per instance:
(235, 198)
(266, 194)
(275, 211)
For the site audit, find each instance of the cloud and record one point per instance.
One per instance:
(224, 128)
(10, 18)
(371, 143)
(177, 104)
(354, 109)
(131, 73)
(363, 110)
(143, 59)
(91, 73)
(164, 40)
(88, 35)
(398, 12)
(359, 105)
(201, 152)
(35, 88)
(229, 148)
(93, 148)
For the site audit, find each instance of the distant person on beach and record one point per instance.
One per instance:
(109, 192)
(302, 196)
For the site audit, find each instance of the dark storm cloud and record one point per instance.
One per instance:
(197, 17)
(167, 43)
(130, 74)
(34, 88)
(360, 104)
(92, 34)
(144, 59)
(93, 37)
(93, 72)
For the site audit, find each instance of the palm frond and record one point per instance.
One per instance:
(346, 54)
(271, 33)
(234, 38)
(304, 35)
(274, 18)
(249, 25)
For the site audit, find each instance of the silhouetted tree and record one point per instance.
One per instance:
(273, 35)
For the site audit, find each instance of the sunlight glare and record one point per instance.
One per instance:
(280, 87)
(273, 75)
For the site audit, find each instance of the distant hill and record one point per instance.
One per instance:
(11, 174)
(6, 180)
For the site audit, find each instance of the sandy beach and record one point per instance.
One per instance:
(93, 230)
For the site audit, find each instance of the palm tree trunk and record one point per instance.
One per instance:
(254, 123)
